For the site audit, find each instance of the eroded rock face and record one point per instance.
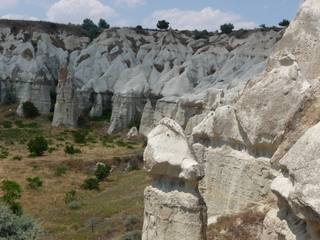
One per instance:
(236, 176)
(297, 187)
(174, 208)
(68, 105)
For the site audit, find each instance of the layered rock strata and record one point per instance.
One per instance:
(174, 208)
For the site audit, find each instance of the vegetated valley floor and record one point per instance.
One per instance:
(120, 195)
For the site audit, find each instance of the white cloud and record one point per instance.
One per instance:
(75, 11)
(131, 3)
(18, 17)
(207, 18)
(13, 16)
(5, 4)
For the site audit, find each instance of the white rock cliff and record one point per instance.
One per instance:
(174, 208)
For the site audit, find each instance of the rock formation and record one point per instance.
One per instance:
(68, 104)
(174, 208)
(242, 99)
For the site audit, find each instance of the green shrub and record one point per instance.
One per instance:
(284, 23)
(17, 158)
(133, 124)
(90, 183)
(162, 24)
(202, 34)
(50, 150)
(29, 110)
(34, 183)
(117, 159)
(134, 235)
(70, 197)
(103, 24)
(226, 28)
(132, 222)
(71, 150)
(106, 115)
(102, 171)
(18, 227)
(4, 154)
(132, 166)
(60, 170)
(80, 136)
(6, 124)
(9, 97)
(50, 117)
(38, 145)
(92, 28)
(11, 192)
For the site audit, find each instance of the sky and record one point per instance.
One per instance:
(181, 14)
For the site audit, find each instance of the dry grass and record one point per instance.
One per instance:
(42, 26)
(241, 226)
(119, 196)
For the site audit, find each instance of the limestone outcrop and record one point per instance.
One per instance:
(174, 208)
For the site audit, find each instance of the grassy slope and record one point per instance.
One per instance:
(119, 196)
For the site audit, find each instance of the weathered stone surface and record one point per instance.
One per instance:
(68, 105)
(298, 185)
(174, 208)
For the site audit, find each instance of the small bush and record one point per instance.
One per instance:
(132, 166)
(132, 222)
(106, 115)
(134, 235)
(226, 28)
(90, 183)
(38, 145)
(50, 117)
(50, 150)
(71, 198)
(34, 183)
(102, 171)
(18, 227)
(29, 110)
(11, 192)
(80, 136)
(4, 154)
(9, 97)
(71, 150)
(284, 23)
(6, 124)
(133, 124)
(19, 158)
(60, 170)
(117, 159)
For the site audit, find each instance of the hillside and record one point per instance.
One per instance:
(238, 108)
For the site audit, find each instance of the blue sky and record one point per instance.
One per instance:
(181, 14)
